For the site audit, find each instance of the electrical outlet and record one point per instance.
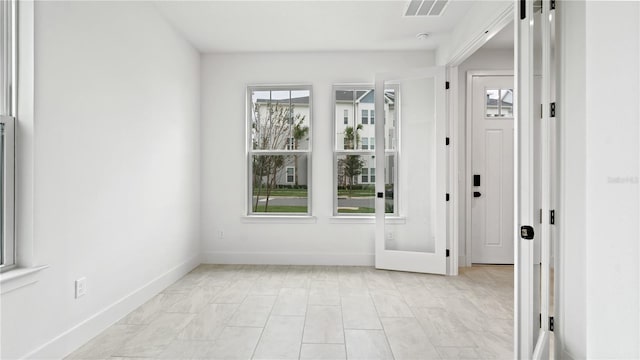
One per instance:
(81, 287)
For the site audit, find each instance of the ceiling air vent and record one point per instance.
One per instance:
(426, 7)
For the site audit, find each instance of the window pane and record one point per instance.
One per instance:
(492, 107)
(365, 175)
(365, 117)
(389, 184)
(506, 103)
(354, 197)
(390, 119)
(343, 105)
(279, 184)
(372, 143)
(365, 143)
(373, 117)
(278, 116)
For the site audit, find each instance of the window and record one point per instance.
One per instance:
(372, 117)
(365, 175)
(346, 116)
(8, 77)
(291, 141)
(499, 103)
(365, 117)
(365, 143)
(279, 149)
(372, 143)
(291, 174)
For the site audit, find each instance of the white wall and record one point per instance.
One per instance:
(225, 77)
(599, 309)
(483, 59)
(116, 182)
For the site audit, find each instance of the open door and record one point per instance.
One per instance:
(534, 178)
(411, 171)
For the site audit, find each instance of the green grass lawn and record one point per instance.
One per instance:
(357, 193)
(304, 193)
(282, 192)
(282, 209)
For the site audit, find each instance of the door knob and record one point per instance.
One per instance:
(476, 194)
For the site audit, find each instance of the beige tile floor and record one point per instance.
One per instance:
(318, 312)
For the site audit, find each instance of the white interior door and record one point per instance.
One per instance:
(411, 171)
(492, 169)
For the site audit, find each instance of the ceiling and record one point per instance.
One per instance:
(503, 40)
(308, 25)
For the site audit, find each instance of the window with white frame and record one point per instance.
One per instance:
(372, 117)
(291, 174)
(346, 117)
(365, 143)
(365, 117)
(8, 91)
(365, 175)
(279, 149)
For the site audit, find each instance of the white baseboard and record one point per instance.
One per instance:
(65, 343)
(353, 259)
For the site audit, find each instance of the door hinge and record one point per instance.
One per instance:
(552, 217)
(446, 85)
(541, 111)
(447, 252)
(552, 110)
(447, 197)
(552, 324)
(540, 216)
(446, 141)
(552, 4)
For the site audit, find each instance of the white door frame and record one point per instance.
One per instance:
(527, 114)
(469, 158)
(454, 119)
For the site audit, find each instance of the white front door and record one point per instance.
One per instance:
(411, 171)
(492, 169)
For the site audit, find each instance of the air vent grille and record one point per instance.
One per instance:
(426, 7)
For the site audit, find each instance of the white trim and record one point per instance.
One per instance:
(71, 339)
(468, 186)
(453, 236)
(288, 258)
(17, 278)
(464, 52)
(278, 219)
(24, 143)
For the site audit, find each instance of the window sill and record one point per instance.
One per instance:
(279, 219)
(365, 219)
(19, 277)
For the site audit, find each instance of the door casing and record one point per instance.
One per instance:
(469, 157)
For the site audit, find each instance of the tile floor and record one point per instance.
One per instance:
(318, 312)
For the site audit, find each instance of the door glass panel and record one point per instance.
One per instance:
(410, 165)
